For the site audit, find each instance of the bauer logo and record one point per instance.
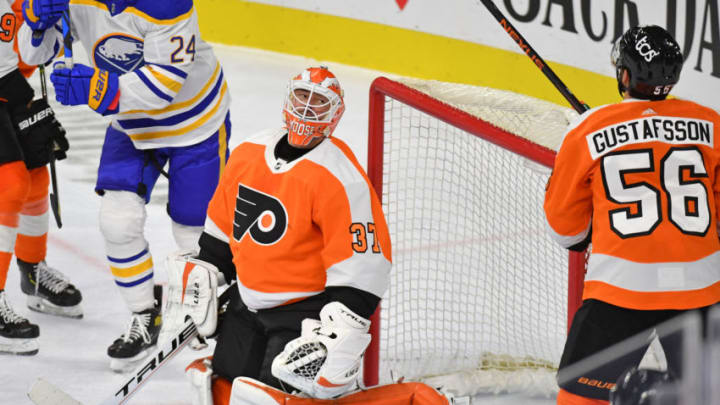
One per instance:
(261, 215)
(119, 53)
(39, 116)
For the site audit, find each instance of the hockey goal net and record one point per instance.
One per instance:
(480, 295)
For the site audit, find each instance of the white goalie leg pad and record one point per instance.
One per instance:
(325, 360)
(199, 374)
(192, 291)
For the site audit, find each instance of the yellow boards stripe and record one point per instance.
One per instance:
(396, 50)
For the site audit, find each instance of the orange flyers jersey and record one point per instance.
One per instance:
(295, 228)
(11, 19)
(9, 24)
(642, 176)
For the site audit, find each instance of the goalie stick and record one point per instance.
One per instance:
(533, 55)
(44, 393)
(67, 39)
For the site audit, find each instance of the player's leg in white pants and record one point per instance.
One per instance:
(122, 221)
(186, 236)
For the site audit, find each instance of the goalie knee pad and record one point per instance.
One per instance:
(199, 374)
(122, 219)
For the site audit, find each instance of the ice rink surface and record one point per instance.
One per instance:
(73, 352)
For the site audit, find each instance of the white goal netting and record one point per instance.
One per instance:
(478, 290)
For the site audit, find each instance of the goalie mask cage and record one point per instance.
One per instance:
(480, 296)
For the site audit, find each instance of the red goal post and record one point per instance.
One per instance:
(428, 109)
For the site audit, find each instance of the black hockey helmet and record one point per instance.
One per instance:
(641, 386)
(651, 57)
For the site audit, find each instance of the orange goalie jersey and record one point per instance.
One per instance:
(295, 228)
(642, 176)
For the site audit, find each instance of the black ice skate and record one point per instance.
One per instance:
(141, 335)
(48, 290)
(17, 334)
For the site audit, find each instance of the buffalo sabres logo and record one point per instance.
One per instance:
(119, 53)
(262, 216)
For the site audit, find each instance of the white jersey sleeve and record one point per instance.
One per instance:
(46, 50)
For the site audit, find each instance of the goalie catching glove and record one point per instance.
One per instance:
(192, 286)
(324, 361)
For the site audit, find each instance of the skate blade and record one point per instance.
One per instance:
(129, 364)
(20, 347)
(44, 306)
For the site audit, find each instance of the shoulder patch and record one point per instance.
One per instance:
(164, 9)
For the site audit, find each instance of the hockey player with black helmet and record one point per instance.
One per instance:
(639, 180)
(652, 61)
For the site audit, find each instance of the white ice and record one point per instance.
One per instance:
(73, 352)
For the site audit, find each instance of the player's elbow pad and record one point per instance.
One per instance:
(583, 244)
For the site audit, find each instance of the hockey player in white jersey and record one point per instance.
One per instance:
(169, 102)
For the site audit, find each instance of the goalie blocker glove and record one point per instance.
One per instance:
(192, 285)
(325, 360)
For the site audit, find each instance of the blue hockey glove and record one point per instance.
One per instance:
(97, 88)
(41, 14)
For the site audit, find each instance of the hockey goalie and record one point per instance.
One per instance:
(321, 366)
(296, 223)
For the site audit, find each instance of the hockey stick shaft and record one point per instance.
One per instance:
(44, 393)
(168, 349)
(67, 39)
(534, 56)
(54, 195)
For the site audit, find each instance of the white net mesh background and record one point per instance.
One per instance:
(478, 289)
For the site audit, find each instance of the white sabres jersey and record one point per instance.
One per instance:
(8, 57)
(172, 88)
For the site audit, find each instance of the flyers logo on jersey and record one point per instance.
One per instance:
(261, 215)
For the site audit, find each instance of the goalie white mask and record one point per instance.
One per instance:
(313, 106)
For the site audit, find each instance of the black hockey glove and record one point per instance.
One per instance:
(40, 134)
